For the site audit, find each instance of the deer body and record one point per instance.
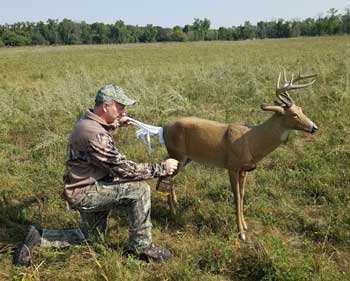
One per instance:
(238, 148)
(186, 138)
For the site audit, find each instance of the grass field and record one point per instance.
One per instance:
(297, 201)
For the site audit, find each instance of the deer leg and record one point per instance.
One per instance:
(172, 201)
(171, 197)
(242, 181)
(234, 179)
(182, 163)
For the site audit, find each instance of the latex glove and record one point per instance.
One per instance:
(171, 165)
(124, 121)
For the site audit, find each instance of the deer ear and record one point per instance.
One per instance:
(273, 108)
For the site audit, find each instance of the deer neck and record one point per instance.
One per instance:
(267, 136)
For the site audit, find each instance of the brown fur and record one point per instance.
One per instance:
(235, 147)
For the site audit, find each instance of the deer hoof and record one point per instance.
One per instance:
(242, 236)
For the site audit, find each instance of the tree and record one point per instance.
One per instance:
(346, 21)
(200, 28)
(321, 26)
(223, 34)
(100, 33)
(119, 32)
(282, 29)
(11, 38)
(85, 35)
(177, 34)
(52, 32)
(149, 34)
(261, 31)
(211, 35)
(69, 32)
(18, 34)
(38, 39)
(308, 27)
(271, 29)
(205, 25)
(38, 34)
(247, 31)
(164, 34)
(332, 22)
(134, 33)
(187, 28)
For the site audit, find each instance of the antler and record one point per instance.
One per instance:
(283, 97)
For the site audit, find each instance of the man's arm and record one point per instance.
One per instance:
(104, 154)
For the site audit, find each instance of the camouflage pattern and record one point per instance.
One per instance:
(92, 156)
(106, 155)
(95, 208)
(110, 93)
(105, 196)
(99, 178)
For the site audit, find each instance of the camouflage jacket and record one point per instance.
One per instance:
(92, 156)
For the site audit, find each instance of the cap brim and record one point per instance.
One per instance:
(129, 101)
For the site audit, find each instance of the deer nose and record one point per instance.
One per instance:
(314, 129)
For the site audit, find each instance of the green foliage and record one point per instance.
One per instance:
(200, 29)
(178, 35)
(297, 201)
(68, 32)
(13, 38)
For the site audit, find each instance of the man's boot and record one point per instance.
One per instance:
(151, 252)
(23, 254)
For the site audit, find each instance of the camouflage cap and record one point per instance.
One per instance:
(110, 93)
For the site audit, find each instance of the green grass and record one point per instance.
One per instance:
(297, 201)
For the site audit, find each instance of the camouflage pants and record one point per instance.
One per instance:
(96, 206)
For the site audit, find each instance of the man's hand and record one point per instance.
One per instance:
(124, 121)
(171, 165)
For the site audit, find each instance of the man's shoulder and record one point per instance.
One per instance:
(87, 129)
(87, 123)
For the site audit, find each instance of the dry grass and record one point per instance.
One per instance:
(297, 200)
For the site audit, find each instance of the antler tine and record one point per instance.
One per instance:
(278, 81)
(288, 99)
(284, 88)
(300, 86)
(289, 86)
(302, 77)
(281, 92)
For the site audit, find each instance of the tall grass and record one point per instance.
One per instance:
(297, 200)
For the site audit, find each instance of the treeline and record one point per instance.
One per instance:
(68, 32)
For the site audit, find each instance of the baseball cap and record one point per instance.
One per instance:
(110, 93)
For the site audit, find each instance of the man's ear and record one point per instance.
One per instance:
(104, 107)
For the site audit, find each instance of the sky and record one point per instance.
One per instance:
(166, 13)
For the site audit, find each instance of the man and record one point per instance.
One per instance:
(99, 178)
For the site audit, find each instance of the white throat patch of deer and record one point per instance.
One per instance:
(237, 148)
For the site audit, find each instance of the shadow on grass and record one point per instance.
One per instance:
(13, 221)
(162, 216)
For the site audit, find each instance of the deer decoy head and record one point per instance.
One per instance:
(291, 114)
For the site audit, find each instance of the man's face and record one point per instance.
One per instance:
(114, 111)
